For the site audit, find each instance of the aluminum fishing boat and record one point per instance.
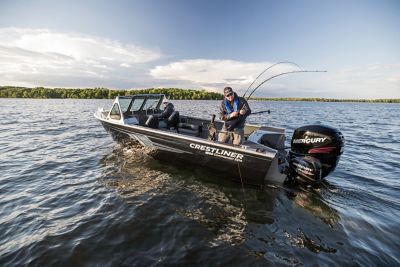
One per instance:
(261, 158)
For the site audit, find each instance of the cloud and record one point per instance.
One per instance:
(40, 57)
(372, 81)
(43, 57)
(214, 74)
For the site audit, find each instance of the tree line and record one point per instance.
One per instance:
(103, 93)
(316, 99)
(171, 93)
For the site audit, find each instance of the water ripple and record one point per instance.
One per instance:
(71, 196)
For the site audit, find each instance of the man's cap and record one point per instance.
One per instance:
(165, 100)
(227, 91)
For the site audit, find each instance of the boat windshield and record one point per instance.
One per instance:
(124, 103)
(147, 103)
(137, 103)
(151, 103)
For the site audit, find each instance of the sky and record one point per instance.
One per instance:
(206, 44)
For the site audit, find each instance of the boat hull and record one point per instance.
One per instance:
(226, 160)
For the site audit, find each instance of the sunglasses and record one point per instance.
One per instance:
(228, 95)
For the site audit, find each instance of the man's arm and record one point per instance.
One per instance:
(245, 107)
(222, 112)
(225, 116)
(167, 111)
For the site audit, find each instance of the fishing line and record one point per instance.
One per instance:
(280, 74)
(273, 65)
(241, 180)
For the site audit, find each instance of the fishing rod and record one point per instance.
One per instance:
(273, 65)
(260, 112)
(280, 74)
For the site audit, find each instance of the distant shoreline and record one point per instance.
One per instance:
(171, 93)
(313, 99)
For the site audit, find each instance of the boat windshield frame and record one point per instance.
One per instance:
(143, 107)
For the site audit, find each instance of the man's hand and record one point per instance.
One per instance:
(242, 112)
(234, 114)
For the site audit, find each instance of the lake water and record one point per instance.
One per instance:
(71, 196)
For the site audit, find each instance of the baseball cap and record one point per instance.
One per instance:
(227, 91)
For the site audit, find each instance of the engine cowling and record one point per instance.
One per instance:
(315, 152)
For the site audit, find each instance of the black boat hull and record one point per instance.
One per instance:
(226, 160)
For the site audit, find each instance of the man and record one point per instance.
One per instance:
(168, 109)
(233, 111)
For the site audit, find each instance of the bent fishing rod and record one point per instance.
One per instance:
(273, 65)
(280, 74)
(261, 112)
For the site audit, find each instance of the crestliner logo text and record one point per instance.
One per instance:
(218, 152)
(308, 140)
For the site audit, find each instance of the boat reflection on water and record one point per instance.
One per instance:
(222, 207)
(311, 200)
(127, 170)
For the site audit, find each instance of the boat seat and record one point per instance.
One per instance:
(142, 119)
(273, 140)
(173, 120)
(152, 122)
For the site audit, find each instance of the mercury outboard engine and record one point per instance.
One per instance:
(315, 152)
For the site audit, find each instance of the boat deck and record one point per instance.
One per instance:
(257, 137)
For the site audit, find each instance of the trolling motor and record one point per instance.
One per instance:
(315, 152)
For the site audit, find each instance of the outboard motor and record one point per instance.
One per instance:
(315, 152)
